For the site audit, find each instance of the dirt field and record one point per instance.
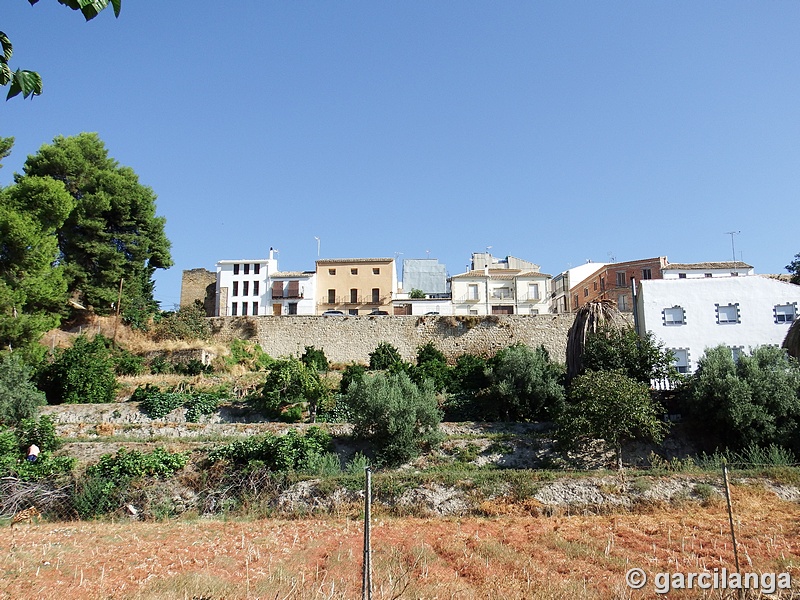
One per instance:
(513, 555)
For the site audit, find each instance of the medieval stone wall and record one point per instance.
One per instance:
(199, 284)
(351, 339)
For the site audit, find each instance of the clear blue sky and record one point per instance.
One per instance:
(552, 131)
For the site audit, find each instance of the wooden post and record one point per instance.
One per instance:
(366, 588)
(119, 300)
(730, 519)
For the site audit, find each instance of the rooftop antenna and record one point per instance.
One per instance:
(611, 257)
(733, 245)
(428, 252)
(316, 238)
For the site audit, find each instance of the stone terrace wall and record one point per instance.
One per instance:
(351, 339)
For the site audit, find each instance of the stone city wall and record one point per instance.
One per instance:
(351, 339)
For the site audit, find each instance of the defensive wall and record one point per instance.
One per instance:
(351, 338)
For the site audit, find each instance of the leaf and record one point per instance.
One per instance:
(7, 48)
(27, 83)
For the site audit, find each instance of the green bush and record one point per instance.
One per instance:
(384, 357)
(755, 400)
(640, 358)
(19, 397)
(432, 365)
(398, 418)
(83, 373)
(290, 452)
(159, 365)
(290, 382)
(200, 404)
(352, 372)
(187, 323)
(15, 442)
(127, 363)
(132, 464)
(524, 384)
(315, 359)
(249, 354)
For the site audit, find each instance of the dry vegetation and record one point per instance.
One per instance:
(513, 556)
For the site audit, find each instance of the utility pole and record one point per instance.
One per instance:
(119, 300)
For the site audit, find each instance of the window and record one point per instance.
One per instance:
(236, 269)
(681, 275)
(647, 274)
(331, 296)
(785, 313)
(674, 316)
(245, 288)
(594, 284)
(680, 357)
(255, 288)
(255, 308)
(247, 268)
(736, 352)
(376, 295)
(622, 302)
(353, 296)
(256, 268)
(353, 312)
(727, 313)
(331, 271)
(709, 274)
(244, 309)
(734, 274)
(293, 308)
(621, 279)
(575, 301)
(473, 311)
(376, 271)
(602, 284)
(585, 292)
(353, 271)
(533, 291)
(235, 288)
(234, 309)
(472, 291)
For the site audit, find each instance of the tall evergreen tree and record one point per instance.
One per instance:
(112, 233)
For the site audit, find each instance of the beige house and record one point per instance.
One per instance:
(356, 286)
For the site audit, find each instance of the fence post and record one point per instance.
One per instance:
(730, 519)
(366, 587)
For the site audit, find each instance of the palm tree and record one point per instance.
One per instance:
(589, 318)
(792, 340)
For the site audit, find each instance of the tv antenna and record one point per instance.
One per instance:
(733, 245)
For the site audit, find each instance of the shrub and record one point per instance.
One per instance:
(432, 364)
(290, 452)
(19, 397)
(186, 323)
(290, 382)
(524, 384)
(159, 365)
(83, 373)
(314, 359)
(384, 357)
(192, 367)
(200, 404)
(397, 417)
(351, 373)
(127, 363)
(416, 294)
(753, 401)
(249, 354)
(132, 464)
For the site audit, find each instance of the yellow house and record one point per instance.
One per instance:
(355, 286)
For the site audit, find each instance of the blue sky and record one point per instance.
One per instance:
(552, 131)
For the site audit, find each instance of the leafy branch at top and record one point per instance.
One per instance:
(29, 83)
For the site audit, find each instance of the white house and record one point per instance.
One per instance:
(500, 287)
(293, 292)
(691, 315)
(243, 286)
(705, 270)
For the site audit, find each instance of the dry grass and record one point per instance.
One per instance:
(513, 556)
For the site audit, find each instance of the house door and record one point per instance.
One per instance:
(276, 309)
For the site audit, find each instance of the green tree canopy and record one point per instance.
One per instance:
(524, 384)
(111, 233)
(755, 400)
(19, 397)
(641, 358)
(33, 287)
(794, 268)
(82, 374)
(613, 407)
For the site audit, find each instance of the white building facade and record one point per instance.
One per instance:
(690, 315)
(500, 292)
